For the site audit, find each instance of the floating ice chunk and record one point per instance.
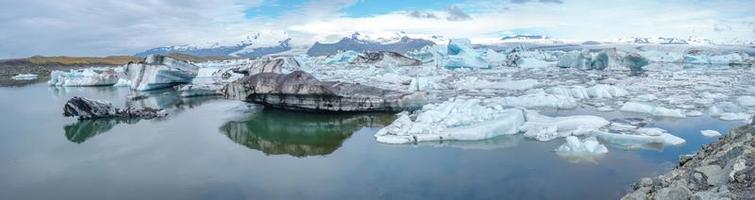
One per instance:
(726, 59)
(462, 55)
(475, 83)
(710, 133)
(199, 90)
(83, 77)
(572, 59)
(540, 99)
(724, 107)
(596, 91)
(748, 101)
(452, 120)
(544, 128)
(645, 98)
(709, 95)
(495, 58)
(605, 109)
(342, 57)
(532, 63)
(643, 136)
(25, 77)
(652, 110)
(694, 113)
(734, 116)
(606, 91)
(575, 147)
(421, 84)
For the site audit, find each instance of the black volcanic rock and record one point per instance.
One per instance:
(385, 58)
(405, 44)
(301, 91)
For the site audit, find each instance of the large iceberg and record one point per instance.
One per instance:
(159, 72)
(539, 99)
(83, 77)
(452, 120)
(461, 55)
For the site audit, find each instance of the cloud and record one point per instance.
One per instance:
(420, 14)
(456, 14)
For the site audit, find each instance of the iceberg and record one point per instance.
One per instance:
(83, 77)
(461, 55)
(747, 101)
(343, 57)
(574, 147)
(385, 58)
(652, 110)
(539, 99)
(572, 59)
(455, 119)
(25, 77)
(476, 83)
(597, 91)
(158, 72)
(710, 133)
(642, 137)
(544, 128)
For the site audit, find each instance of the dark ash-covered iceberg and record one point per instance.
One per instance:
(301, 91)
(85, 108)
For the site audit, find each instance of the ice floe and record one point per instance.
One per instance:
(83, 77)
(24, 77)
(710, 133)
(574, 147)
(652, 110)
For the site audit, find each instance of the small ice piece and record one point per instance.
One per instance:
(652, 110)
(724, 107)
(343, 57)
(710, 133)
(645, 98)
(540, 99)
(597, 91)
(544, 128)
(694, 113)
(605, 109)
(476, 83)
(25, 77)
(421, 84)
(748, 101)
(575, 147)
(734, 116)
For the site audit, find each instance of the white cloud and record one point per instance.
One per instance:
(107, 27)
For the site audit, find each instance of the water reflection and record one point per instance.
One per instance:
(277, 132)
(83, 130)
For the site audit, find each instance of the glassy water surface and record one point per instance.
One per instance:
(210, 148)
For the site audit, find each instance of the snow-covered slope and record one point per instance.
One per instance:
(247, 48)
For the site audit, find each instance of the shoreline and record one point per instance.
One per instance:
(720, 170)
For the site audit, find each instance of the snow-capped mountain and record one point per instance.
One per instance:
(246, 48)
(360, 43)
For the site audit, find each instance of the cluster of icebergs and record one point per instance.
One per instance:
(479, 92)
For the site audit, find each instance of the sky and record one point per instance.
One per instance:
(117, 27)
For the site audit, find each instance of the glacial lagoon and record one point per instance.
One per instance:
(213, 148)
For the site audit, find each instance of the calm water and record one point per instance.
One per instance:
(220, 149)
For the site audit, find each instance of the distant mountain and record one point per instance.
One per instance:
(359, 43)
(243, 49)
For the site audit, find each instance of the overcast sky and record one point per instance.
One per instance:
(118, 27)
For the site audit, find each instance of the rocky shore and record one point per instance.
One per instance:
(721, 170)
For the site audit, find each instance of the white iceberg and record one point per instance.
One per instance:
(597, 91)
(343, 57)
(748, 101)
(159, 72)
(452, 120)
(544, 128)
(710, 133)
(83, 77)
(461, 55)
(576, 147)
(641, 137)
(652, 110)
(25, 77)
(539, 99)
(476, 83)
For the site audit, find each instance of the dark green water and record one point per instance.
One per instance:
(220, 149)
